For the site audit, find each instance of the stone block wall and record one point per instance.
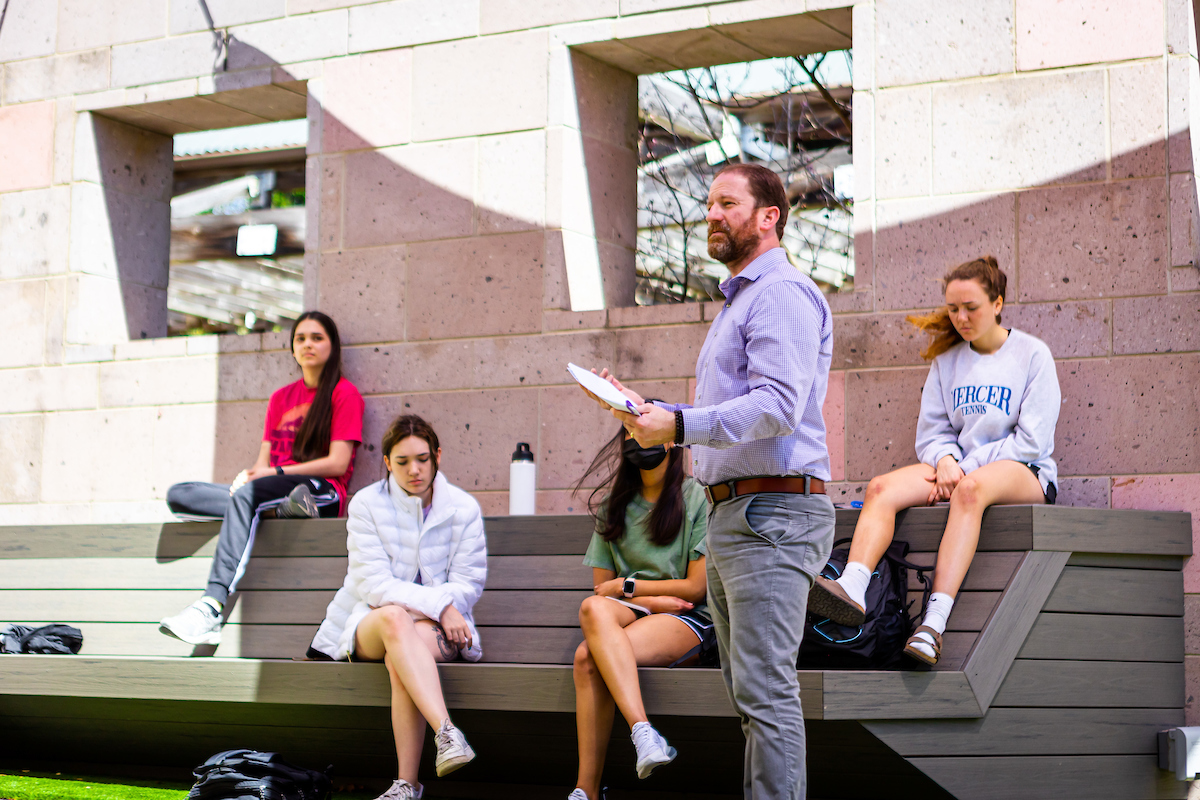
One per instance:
(471, 227)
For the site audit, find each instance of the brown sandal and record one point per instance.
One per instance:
(913, 652)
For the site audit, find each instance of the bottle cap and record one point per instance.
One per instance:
(522, 453)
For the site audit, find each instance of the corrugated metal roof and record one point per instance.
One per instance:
(268, 136)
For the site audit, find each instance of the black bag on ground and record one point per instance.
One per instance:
(879, 642)
(253, 775)
(55, 639)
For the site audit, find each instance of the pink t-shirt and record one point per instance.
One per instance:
(286, 411)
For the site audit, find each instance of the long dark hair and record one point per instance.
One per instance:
(942, 334)
(621, 483)
(404, 427)
(312, 440)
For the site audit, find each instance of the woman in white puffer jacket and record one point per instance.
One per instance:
(418, 562)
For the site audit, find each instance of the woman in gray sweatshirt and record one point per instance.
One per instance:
(984, 437)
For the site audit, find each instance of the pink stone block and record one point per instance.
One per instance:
(1138, 109)
(919, 241)
(881, 420)
(1086, 32)
(240, 427)
(691, 391)
(1083, 492)
(1070, 329)
(711, 309)
(363, 290)
(875, 340)
(664, 314)
(572, 431)
(327, 225)
(919, 42)
(573, 320)
(1129, 415)
(555, 292)
(1191, 624)
(834, 413)
(558, 501)
(1185, 279)
(378, 414)
(26, 146)
(1191, 671)
(1168, 324)
(606, 101)
(480, 286)
(255, 376)
(1093, 241)
(612, 184)
(539, 360)
(1165, 493)
(844, 493)
(367, 101)
(1185, 220)
(668, 352)
(479, 431)
(1179, 141)
(492, 504)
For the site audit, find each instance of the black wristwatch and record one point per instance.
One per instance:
(279, 470)
(627, 589)
(678, 426)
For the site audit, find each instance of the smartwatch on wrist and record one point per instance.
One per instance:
(627, 589)
(279, 470)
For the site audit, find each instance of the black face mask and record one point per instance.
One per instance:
(643, 457)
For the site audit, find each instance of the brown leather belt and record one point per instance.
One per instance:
(720, 492)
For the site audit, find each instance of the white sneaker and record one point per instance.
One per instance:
(652, 749)
(199, 623)
(452, 749)
(402, 790)
(578, 794)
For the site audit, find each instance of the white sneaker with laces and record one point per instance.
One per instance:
(402, 790)
(199, 623)
(578, 794)
(652, 749)
(452, 749)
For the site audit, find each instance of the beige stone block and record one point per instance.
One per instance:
(187, 16)
(173, 90)
(186, 56)
(240, 433)
(919, 241)
(682, 39)
(902, 142)
(1185, 220)
(618, 272)
(1071, 329)
(87, 353)
(367, 101)
(1019, 132)
(1086, 32)
(173, 347)
(124, 158)
(46, 514)
(1185, 279)
(64, 140)
(499, 16)
(39, 78)
(789, 34)
(105, 311)
(450, 100)
(1093, 241)
(644, 6)
(119, 236)
(864, 252)
(26, 146)
(1181, 28)
(34, 232)
(309, 6)
(56, 319)
(404, 23)
(478, 431)
(83, 24)
(120, 439)
(1137, 107)
(185, 442)
(1181, 77)
(864, 47)
(254, 376)
(863, 146)
(573, 320)
(363, 290)
(512, 182)
(410, 193)
(30, 29)
(481, 286)
(302, 38)
(918, 41)
(49, 388)
(21, 469)
(833, 412)
(24, 303)
(1156, 324)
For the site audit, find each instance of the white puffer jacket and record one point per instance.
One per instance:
(388, 542)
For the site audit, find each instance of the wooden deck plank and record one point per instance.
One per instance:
(1104, 637)
(1031, 732)
(1097, 590)
(1004, 527)
(971, 609)
(988, 572)
(1111, 530)
(1126, 561)
(1092, 684)
(1053, 777)
(853, 694)
(1001, 638)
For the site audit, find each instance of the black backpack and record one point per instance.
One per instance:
(251, 775)
(879, 642)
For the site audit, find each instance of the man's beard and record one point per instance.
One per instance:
(735, 245)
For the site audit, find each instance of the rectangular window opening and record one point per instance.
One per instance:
(792, 115)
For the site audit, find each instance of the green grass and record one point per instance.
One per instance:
(41, 786)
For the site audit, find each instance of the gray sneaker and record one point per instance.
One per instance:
(402, 790)
(199, 623)
(299, 504)
(452, 749)
(652, 749)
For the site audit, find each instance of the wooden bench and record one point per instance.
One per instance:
(1063, 657)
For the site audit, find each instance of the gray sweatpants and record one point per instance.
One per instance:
(763, 553)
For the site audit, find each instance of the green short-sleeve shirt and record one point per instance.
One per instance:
(635, 556)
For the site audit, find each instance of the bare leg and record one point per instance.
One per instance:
(616, 644)
(998, 483)
(886, 496)
(411, 651)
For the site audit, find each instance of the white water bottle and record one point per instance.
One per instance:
(522, 482)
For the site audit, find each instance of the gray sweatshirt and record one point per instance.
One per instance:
(985, 408)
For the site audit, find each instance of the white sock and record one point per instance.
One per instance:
(854, 580)
(213, 604)
(936, 615)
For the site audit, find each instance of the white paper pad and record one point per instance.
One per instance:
(602, 389)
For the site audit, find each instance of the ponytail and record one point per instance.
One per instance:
(943, 335)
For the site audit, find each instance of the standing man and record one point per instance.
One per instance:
(758, 444)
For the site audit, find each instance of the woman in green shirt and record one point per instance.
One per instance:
(647, 560)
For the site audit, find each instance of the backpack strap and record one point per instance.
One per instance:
(898, 558)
